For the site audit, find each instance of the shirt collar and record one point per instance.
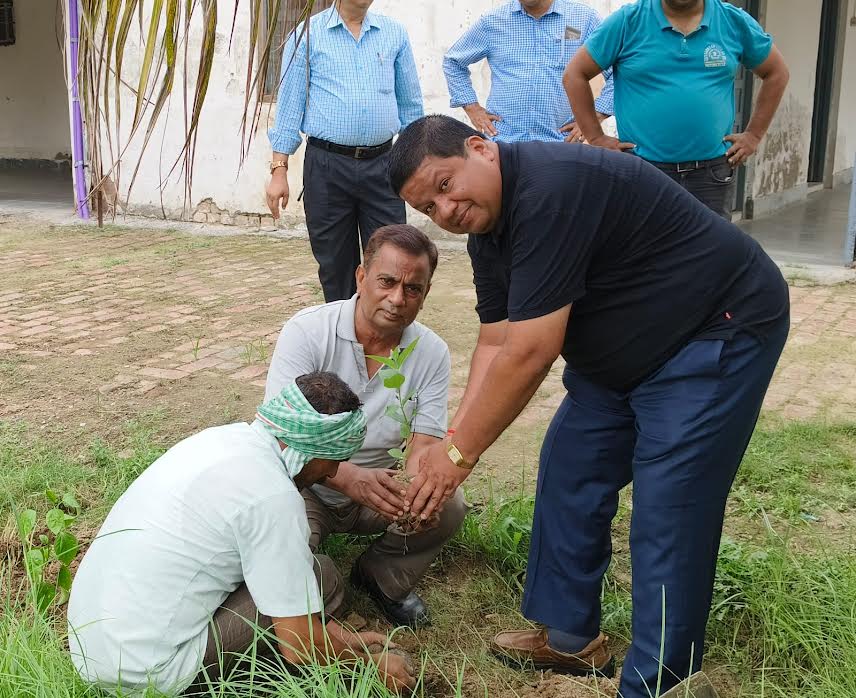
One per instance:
(369, 21)
(346, 329)
(554, 8)
(666, 24)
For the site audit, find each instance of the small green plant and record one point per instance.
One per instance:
(197, 342)
(254, 352)
(394, 379)
(58, 544)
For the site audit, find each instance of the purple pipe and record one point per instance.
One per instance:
(77, 148)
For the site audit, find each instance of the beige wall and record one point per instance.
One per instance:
(33, 96)
(781, 163)
(845, 144)
(217, 153)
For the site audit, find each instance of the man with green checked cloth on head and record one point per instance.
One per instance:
(206, 555)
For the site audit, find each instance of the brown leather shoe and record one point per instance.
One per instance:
(529, 648)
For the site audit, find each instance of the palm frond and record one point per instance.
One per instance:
(169, 38)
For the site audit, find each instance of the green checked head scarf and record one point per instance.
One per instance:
(308, 433)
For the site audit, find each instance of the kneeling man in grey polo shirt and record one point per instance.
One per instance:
(363, 498)
(206, 552)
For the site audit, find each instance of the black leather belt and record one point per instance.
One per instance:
(690, 165)
(358, 152)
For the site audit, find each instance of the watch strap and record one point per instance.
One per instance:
(456, 457)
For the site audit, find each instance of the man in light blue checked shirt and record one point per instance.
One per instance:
(527, 44)
(362, 89)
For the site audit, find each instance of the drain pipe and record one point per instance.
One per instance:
(78, 171)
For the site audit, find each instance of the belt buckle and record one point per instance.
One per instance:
(693, 165)
(358, 153)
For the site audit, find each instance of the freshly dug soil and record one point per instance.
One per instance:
(557, 686)
(408, 523)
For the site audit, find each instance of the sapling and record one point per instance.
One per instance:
(401, 412)
(58, 544)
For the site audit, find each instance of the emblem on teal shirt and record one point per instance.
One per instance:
(714, 56)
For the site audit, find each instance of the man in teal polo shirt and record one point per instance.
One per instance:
(674, 64)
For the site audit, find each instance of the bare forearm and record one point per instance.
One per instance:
(508, 384)
(301, 642)
(479, 365)
(343, 476)
(769, 97)
(280, 157)
(581, 99)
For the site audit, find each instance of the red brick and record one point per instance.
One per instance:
(199, 365)
(249, 372)
(162, 373)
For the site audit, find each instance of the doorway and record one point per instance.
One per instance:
(823, 89)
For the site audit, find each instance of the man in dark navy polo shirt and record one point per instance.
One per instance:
(671, 321)
(675, 62)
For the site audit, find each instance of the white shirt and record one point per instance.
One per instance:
(323, 338)
(215, 510)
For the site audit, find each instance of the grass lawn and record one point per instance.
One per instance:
(783, 621)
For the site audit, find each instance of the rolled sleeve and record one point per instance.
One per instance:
(408, 93)
(273, 542)
(757, 43)
(604, 44)
(432, 416)
(284, 135)
(470, 48)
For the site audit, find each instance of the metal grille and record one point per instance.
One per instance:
(7, 23)
(289, 15)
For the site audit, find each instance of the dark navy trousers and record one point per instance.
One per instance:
(679, 437)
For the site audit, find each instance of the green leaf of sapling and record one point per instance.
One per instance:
(55, 519)
(394, 382)
(70, 502)
(26, 522)
(66, 547)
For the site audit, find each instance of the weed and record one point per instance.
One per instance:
(197, 346)
(254, 352)
(59, 545)
(113, 262)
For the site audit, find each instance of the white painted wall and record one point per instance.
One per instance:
(781, 163)
(33, 96)
(845, 144)
(432, 30)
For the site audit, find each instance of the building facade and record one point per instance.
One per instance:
(811, 144)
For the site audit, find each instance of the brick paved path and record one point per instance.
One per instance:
(133, 310)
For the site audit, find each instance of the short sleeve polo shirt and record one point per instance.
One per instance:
(674, 94)
(645, 265)
(323, 338)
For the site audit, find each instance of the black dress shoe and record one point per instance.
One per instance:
(409, 611)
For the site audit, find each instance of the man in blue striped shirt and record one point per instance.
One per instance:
(527, 44)
(362, 88)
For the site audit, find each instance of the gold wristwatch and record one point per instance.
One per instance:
(276, 164)
(456, 457)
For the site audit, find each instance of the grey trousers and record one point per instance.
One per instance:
(345, 201)
(395, 561)
(713, 184)
(237, 624)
